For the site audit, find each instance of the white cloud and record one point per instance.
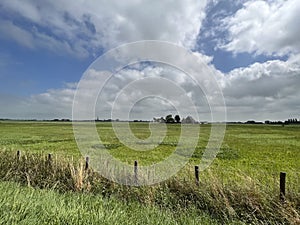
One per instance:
(55, 103)
(264, 27)
(35, 39)
(268, 90)
(261, 91)
(167, 88)
(150, 86)
(21, 36)
(85, 27)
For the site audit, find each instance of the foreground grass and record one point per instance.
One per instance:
(242, 199)
(19, 205)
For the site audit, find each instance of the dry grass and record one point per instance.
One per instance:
(244, 199)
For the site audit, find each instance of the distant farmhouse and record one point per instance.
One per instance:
(176, 119)
(189, 120)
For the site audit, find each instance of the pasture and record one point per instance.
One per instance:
(241, 186)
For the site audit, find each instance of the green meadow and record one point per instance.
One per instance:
(240, 187)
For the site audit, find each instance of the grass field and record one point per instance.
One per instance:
(19, 205)
(241, 182)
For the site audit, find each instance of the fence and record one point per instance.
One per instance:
(282, 175)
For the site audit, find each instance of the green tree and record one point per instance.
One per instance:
(177, 118)
(170, 119)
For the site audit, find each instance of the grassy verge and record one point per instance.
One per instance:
(21, 205)
(243, 198)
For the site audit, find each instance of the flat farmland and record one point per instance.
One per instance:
(240, 187)
(250, 148)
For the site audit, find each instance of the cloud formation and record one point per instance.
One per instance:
(264, 27)
(262, 91)
(266, 90)
(84, 28)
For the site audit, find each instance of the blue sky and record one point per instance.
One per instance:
(253, 45)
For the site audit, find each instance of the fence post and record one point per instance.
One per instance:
(136, 172)
(87, 160)
(282, 185)
(49, 158)
(18, 154)
(197, 175)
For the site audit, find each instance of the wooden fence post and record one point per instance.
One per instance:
(136, 172)
(282, 185)
(197, 175)
(49, 158)
(87, 160)
(18, 154)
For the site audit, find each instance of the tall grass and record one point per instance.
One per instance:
(21, 205)
(244, 198)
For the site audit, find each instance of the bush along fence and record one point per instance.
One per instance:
(244, 199)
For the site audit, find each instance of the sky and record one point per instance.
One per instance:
(252, 46)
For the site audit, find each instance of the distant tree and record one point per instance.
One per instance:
(177, 118)
(170, 119)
